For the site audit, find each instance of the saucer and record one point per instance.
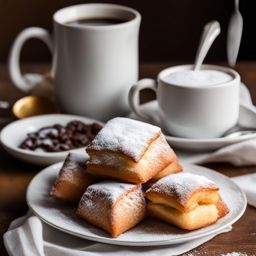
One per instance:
(13, 134)
(151, 110)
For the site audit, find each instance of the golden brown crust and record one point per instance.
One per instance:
(71, 191)
(200, 196)
(183, 191)
(126, 217)
(172, 168)
(91, 151)
(125, 136)
(201, 216)
(222, 208)
(114, 165)
(114, 217)
(73, 179)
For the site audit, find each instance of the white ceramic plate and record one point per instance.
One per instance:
(151, 110)
(13, 134)
(149, 232)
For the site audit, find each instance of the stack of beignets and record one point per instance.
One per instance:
(126, 154)
(186, 200)
(173, 167)
(130, 151)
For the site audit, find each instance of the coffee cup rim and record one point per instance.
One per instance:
(232, 72)
(57, 16)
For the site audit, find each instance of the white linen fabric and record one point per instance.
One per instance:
(248, 184)
(29, 236)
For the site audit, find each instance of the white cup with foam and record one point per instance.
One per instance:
(193, 104)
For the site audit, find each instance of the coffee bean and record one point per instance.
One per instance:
(57, 138)
(95, 127)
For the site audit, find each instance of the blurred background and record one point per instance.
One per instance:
(170, 29)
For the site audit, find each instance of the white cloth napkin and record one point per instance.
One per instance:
(28, 236)
(248, 184)
(239, 154)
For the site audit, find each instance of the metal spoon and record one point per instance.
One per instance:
(238, 132)
(234, 35)
(210, 32)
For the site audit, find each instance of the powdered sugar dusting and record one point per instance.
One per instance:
(77, 158)
(181, 185)
(110, 190)
(234, 254)
(160, 147)
(125, 135)
(73, 166)
(201, 253)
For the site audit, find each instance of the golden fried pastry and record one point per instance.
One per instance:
(113, 206)
(222, 208)
(203, 215)
(172, 168)
(186, 200)
(129, 150)
(73, 179)
(183, 191)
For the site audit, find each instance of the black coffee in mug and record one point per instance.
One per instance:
(108, 46)
(96, 21)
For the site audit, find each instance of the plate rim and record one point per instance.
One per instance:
(144, 243)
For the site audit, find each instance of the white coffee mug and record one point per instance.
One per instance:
(192, 111)
(93, 66)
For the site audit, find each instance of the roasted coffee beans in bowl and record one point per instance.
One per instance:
(47, 139)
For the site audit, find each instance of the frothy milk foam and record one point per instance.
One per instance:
(199, 78)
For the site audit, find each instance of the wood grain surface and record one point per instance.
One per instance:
(15, 175)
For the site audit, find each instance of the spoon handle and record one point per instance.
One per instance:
(211, 31)
(236, 4)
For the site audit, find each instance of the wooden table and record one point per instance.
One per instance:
(15, 175)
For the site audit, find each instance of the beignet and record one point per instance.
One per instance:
(73, 179)
(113, 206)
(129, 150)
(186, 200)
(183, 191)
(203, 215)
(172, 168)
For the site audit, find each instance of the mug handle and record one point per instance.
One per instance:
(26, 82)
(134, 93)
